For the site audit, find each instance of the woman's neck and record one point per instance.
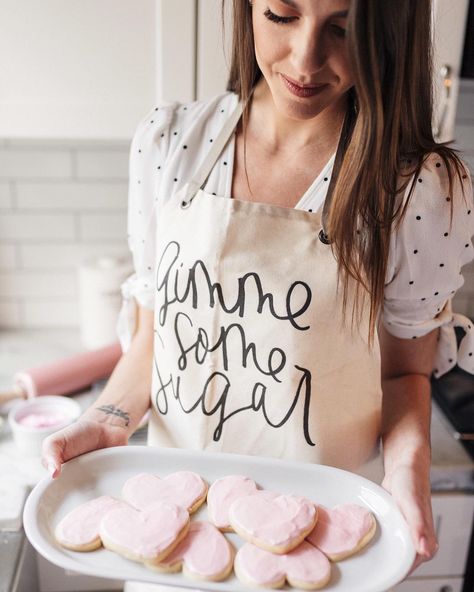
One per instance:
(279, 134)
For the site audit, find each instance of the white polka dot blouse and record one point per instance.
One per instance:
(427, 251)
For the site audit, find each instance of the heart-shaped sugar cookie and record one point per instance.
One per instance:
(183, 488)
(204, 553)
(79, 529)
(277, 523)
(342, 530)
(304, 567)
(144, 535)
(222, 493)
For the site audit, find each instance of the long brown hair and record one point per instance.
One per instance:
(389, 43)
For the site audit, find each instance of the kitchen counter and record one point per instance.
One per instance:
(20, 350)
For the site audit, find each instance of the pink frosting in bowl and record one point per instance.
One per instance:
(43, 420)
(34, 419)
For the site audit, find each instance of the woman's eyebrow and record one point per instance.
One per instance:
(292, 3)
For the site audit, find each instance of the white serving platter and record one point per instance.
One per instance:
(383, 563)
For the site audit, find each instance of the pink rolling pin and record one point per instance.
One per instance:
(65, 376)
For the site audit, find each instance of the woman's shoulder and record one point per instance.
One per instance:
(435, 217)
(437, 192)
(432, 180)
(167, 122)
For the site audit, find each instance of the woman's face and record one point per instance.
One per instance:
(302, 41)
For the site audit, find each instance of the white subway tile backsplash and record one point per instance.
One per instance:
(6, 197)
(10, 316)
(103, 226)
(102, 164)
(51, 312)
(34, 164)
(61, 202)
(30, 227)
(67, 256)
(72, 196)
(31, 285)
(8, 256)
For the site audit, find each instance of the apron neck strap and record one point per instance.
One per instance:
(203, 172)
(346, 133)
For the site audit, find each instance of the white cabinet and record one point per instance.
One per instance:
(214, 48)
(453, 518)
(76, 69)
(431, 585)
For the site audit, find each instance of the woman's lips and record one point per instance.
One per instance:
(303, 91)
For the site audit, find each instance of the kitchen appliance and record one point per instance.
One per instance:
(454, 394)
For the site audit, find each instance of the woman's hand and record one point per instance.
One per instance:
(409, 485)
(115, 415)
(78, 438)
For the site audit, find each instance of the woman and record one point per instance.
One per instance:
(334, 263)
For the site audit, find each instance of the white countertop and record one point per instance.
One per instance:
(22, 349)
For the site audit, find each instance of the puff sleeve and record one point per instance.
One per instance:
(147, 158)
(427, 252)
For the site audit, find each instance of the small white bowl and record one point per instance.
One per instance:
(32, 420)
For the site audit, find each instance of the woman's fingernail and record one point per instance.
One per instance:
(422, 546)
(51, 468)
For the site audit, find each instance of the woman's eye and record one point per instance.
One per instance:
(271, 16)
(339, 31)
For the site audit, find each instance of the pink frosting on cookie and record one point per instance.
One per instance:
(183, 488)
(80, 527)
(271, 518)
(204, 551)
(223, 492)
(145, 534)
(339, 530)
(304, 564)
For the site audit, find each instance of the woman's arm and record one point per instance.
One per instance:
(407, 365)
(115, 415)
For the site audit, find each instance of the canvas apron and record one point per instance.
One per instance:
(251, 354)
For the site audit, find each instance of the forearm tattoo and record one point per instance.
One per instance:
(112, 410)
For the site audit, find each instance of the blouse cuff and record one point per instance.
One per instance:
(134, 290)
(447, 353)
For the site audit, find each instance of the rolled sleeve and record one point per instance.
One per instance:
(427, 253)
(148, 153)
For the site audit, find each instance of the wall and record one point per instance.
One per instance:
(61, 202)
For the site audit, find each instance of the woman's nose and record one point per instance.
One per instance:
(308, 51)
